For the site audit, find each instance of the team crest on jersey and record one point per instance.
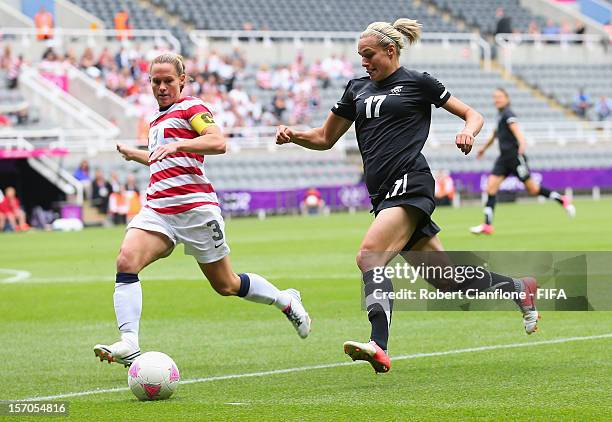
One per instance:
(396, 90)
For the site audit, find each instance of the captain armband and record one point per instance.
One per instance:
(201, 121)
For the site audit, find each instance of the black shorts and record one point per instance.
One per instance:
(516, 165)
(415, 189)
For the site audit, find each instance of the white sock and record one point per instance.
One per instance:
(262, 291)
(128, 307)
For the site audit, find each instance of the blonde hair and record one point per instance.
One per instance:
(401, 30)
(174, 59)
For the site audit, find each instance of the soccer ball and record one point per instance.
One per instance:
(153, 376)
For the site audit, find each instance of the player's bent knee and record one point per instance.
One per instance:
(126, 262)
(367, 259)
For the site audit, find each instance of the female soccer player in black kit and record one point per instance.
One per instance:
(512, 160)
(391, 109)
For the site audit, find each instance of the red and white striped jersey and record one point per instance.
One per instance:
(178, 182)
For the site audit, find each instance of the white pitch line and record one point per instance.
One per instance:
(335, 365)
(17, 275)
(109, 278)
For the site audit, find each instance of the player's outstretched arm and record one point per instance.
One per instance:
(473, 123)
(520, 137)
(321, 138)
(133, 154)
(486, 146)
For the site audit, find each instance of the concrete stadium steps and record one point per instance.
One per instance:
(481, 14)
(301, 15)
(562, 81)
(140, 17)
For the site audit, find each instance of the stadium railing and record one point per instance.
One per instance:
(149, 39)
(276, 44)
(540, 48)
(61, 107)
(105, 102)
(539, 133)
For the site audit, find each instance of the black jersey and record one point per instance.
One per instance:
(392, 119)
(508, 144)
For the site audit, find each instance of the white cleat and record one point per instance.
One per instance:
(296, 313)
(120, 352)
(482, 229)
(531, 316)
(530, 321)
(569, 207)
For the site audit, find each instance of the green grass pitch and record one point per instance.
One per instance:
(49, 323)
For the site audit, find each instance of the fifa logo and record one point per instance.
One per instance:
(396, 91)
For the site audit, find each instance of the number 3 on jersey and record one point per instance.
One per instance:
(378, 100)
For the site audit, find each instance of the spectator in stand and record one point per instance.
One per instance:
(582, 103)
(6, 58)
(504, 23)
(565, 29)
(82, 172)
(118, 206)
(347, 68)
(116, 185)
(603, 108)
(316, 70)
(533, 28)
(87, 59)
(281, 78)
(444, 188)
(12, 66)
(100, 192)
(130, 183)
(2, 217)
(333, 67)
(122, 24)
(264, 77)
(551, 29)
(312, 203)
(4, 120)
(104, 59)
(11, 212)
(122, 58)
(608, 28)
(132, 194)
(579, 30)
(279, 104)
(43, 20)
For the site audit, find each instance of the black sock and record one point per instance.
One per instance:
(376, 307)
(245, 285)
(490, 281)
(489, 209)
(126, 278)
(550, 194)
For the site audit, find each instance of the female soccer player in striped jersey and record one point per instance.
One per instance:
(181, 207)
(512, 160)
(391, 108)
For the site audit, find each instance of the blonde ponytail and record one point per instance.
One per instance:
(410, 28)
(401, 30)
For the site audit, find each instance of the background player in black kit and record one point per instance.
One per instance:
(512, 160)
(391, 109)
